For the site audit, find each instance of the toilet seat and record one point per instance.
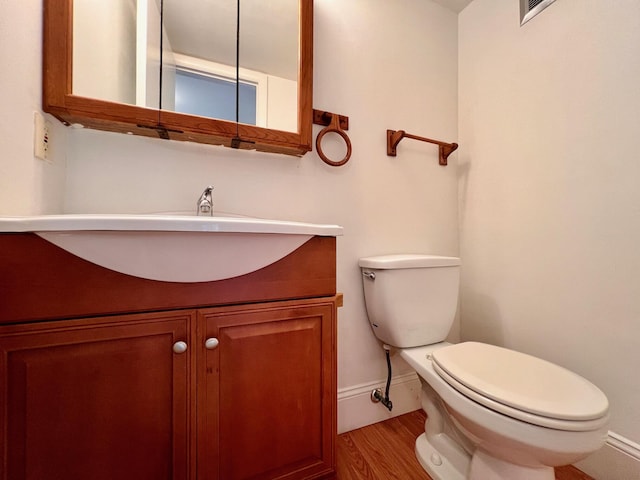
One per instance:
(499, 379)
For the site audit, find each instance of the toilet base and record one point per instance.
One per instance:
(446, 462)
(485, 467)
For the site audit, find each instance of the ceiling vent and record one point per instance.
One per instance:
(530, 8)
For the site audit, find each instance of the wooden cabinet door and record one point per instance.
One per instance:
(98, 399)
(267, 409)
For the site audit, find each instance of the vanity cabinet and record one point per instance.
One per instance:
(267, 406)
(100, 398)
(108, 390)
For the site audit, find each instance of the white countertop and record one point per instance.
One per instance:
(162, 223)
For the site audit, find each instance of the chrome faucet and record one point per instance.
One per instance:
(205, 202)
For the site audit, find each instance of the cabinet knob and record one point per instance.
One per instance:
(180, 347)
(211, 343)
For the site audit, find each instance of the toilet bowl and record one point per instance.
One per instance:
(492, 413)
(502, 441)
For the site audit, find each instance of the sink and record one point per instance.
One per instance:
(172, 248)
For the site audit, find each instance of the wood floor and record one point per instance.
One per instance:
(385, 451)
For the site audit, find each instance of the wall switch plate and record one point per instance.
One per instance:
(41, 136)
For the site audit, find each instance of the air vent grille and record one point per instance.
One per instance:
(530, 8)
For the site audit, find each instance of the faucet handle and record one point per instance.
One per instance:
(205, 202)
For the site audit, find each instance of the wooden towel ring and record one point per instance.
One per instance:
(334, 126)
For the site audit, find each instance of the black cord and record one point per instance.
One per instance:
(386, 392)
(161, 57)
(238, 70)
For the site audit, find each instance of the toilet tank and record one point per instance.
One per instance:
(411, 300)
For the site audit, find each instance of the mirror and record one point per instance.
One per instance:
(168, 68)
(120, 45)
(203, 79)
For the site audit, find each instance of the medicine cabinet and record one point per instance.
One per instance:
(132, 66)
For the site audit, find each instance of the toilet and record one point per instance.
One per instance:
(492, 413)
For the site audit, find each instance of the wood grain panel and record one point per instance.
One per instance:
(101, 399)
(381, 451)
(270, 389)
(39, 280)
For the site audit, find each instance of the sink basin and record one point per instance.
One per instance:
(172, 248)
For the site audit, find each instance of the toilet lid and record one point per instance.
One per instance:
(520, 381)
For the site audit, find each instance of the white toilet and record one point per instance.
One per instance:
(493, 413)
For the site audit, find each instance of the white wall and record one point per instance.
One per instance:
(147, 77)
(385, 65)
(104, 53)
(547, 169)
(27, 185)
(549, 122)
(282, 104)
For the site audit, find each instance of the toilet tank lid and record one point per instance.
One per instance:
(383, 262)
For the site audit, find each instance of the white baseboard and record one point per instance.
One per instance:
(619, 459)
(624, 445)
(356, 410)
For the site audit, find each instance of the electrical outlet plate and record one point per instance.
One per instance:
(41, 137)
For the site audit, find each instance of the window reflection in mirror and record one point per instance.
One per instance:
(116, 57)
(208, 89)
